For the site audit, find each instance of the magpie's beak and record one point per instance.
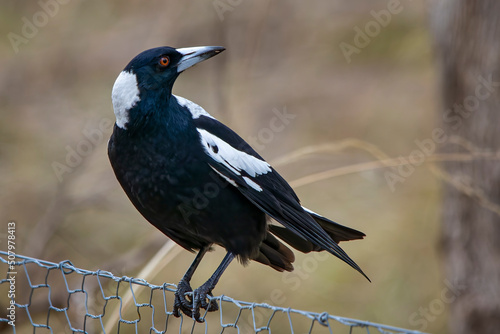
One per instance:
(192, 56)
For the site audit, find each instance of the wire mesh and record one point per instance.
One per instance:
(61, 298)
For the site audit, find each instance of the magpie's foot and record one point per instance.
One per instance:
(201, 300)
(182, 302)
(190, 305)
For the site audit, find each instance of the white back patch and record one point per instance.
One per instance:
(125, 95)
(233, 159)
(195, 110)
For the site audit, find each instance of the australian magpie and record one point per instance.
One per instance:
(200, 183)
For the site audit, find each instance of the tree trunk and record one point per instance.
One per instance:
(467, 41)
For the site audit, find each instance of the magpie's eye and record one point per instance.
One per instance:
(164, 61)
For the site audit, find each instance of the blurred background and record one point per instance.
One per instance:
(358, 80)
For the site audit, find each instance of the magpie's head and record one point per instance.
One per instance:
(153, 71)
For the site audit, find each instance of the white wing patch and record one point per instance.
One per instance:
(235, 160)
(252, 184)
(225, 177)
(195, 110)
(125, 96)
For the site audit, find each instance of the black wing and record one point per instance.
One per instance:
(233, 159)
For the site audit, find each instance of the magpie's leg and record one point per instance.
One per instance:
(181, 301)
(200, 294)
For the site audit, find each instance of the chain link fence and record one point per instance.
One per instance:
(39, 296)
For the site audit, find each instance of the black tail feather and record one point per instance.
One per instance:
(275, 254)
(336, 231)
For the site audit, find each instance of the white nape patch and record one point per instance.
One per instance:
(225, 177)
(235, 160)
(251, 183)
(195, 110)
(125, 96)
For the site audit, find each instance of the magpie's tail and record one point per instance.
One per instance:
(336, 231)
(275, 254)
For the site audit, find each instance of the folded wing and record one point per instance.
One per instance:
(234, 160)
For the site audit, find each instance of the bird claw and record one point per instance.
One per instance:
(182, 301)
(201, 297)
(190, 304)
(201, 300)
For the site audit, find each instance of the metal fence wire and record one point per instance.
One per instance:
(61, 298)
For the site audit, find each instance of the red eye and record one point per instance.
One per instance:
(164, 61)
